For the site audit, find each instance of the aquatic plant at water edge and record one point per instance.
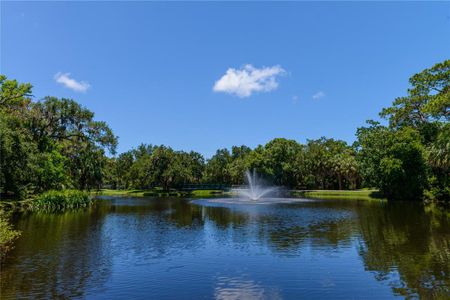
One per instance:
(56, 200)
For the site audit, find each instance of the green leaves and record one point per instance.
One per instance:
(13, 95)
(425, 110)
(149, 166)
(49, 144)
(428, 99)
(318, 164)
(393, 161)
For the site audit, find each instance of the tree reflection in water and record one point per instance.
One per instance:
(58, 256)
(412, 240)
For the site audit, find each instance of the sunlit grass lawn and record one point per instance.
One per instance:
(159, 192)
(363, 194)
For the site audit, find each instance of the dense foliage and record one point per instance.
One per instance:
(49, 144)
(393, 161)
(411, 155)
(323, 163)
(55, 144)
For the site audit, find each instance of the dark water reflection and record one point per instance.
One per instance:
(174, 249)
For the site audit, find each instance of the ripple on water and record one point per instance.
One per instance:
(248, 201)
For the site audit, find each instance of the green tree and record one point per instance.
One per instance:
(216, 170)
(82, 139)
(280, 155)
(123, 165)
(393, 161)
(164, 168)
(428, 99)
(66, 121)
(345, 167)
(18, 176)
(51, 171)
(326, 162)
(238, 163)
(438, 158)
(426, 108)
(17, 150)
(13, 95)
(49, 144)
(195, 164)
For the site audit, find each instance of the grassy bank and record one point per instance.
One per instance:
(157, 192)
(364, 194)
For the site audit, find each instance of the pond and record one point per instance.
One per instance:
(171, 248)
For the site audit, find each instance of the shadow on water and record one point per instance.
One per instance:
(128, 246)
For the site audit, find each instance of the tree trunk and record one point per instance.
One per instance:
(340, 182)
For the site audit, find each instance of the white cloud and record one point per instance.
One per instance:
(318, 95)
(244, 82)
(65, 80)
(295, 99)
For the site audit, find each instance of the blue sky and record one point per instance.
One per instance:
(156, 72)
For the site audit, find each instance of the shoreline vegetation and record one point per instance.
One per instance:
(50, 201)
(361, 194)
(61, 200)
(72, 199)
(158, 192)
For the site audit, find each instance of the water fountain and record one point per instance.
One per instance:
(255, 192)
(256, 188)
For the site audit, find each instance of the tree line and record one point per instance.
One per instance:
(55, 144)
(323, 163)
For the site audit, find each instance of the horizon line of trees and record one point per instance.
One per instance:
(57, 144)
(322, 164)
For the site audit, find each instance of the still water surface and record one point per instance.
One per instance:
(165, 248)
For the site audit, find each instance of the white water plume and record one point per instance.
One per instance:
(255, 189)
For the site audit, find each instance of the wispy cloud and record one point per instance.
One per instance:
(318, 95)
(247, 80)
(68, 82)
(295, 99)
